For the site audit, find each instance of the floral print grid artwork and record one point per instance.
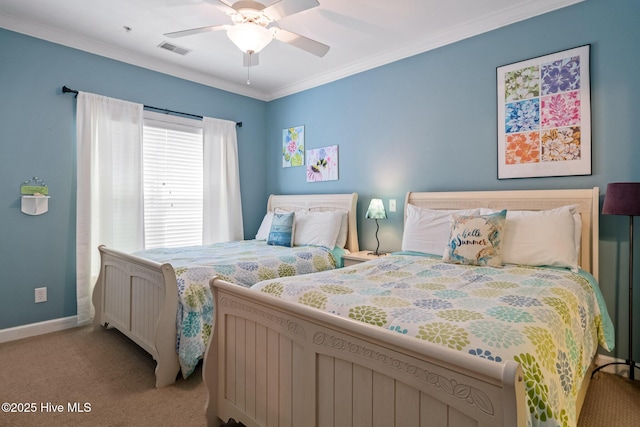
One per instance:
(522, 116)
(561, 144)
(522, 148)
(544, 120)
(522, 84)
(322, 164)
(561, 76)
(560, 110)
(293, 147)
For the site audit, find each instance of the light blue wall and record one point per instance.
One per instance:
(37, 138)
(423, 123)
(429, 123)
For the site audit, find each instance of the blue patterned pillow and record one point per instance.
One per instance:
(281, 232)
(476, 239)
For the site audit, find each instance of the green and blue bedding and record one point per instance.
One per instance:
(244, 263)
(549, 320)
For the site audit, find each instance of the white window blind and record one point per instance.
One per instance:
(173, 181)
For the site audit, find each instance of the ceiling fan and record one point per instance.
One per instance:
(251, 31)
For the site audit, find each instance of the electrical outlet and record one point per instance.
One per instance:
(392, 205)
(41, 295)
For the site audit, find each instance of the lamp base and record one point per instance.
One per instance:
(630, 363)
(376, 253)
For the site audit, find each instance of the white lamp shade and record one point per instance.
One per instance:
(376, 210)
(249, 37)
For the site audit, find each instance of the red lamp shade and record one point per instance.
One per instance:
(622, 198)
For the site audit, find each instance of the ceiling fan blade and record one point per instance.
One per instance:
(224, 5)
(300, 42)
(193, 31)
(284, 8)
(250, 60)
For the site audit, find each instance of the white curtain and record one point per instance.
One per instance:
(222, 219)
(109, 188)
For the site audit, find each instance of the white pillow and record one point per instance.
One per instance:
(577, 219)
(265, 227)
(341, 241)
(317, 228)
(541, 238)
(427, 230)
(577, 223)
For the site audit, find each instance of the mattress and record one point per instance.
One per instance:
(550, 320)
(244, 263)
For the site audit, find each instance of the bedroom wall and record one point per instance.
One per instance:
(37, 138)
(428, 123)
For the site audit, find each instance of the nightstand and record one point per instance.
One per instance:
(358, 257)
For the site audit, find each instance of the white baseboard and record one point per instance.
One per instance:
(33, 329)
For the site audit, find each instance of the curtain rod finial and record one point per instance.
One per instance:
(68, 90)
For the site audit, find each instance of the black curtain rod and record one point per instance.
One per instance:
(148, 107)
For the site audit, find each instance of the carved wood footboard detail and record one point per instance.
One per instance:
(453, 388)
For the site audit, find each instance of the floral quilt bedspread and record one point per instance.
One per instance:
(244, 263)
(549, 320)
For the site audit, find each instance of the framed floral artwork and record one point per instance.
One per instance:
(322, 164)
(544, 116)
(293, 147)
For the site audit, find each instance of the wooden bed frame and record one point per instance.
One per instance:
(276, 363)
(139, 297)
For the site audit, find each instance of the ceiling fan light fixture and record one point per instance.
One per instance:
(249, 37)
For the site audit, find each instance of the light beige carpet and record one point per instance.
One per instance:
(611, 401)
(102, 368)
(115, 377)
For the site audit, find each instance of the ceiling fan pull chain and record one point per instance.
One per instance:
(250, 52)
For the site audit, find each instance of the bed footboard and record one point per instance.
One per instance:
(273, 363)
(140, 299)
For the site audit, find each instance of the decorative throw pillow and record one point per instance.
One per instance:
(281, 232)
(476, 239)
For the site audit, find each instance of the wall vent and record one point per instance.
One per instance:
(173, 48)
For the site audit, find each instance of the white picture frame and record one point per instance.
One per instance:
(544, 116)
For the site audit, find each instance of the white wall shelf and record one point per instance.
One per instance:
(35, 205)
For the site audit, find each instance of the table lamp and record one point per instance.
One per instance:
(376, 211)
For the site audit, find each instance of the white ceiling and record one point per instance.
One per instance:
(363, 34)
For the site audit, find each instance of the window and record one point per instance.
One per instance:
(173, 181)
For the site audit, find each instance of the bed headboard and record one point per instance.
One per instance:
(322, 202)
(534, 200)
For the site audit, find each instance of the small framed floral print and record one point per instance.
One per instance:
(293, 146)
(544, 116)
(322, 164)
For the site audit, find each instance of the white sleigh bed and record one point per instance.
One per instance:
(276, 363)
(139, 297)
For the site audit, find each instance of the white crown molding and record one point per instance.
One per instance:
(59, 37)
(469, 29)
